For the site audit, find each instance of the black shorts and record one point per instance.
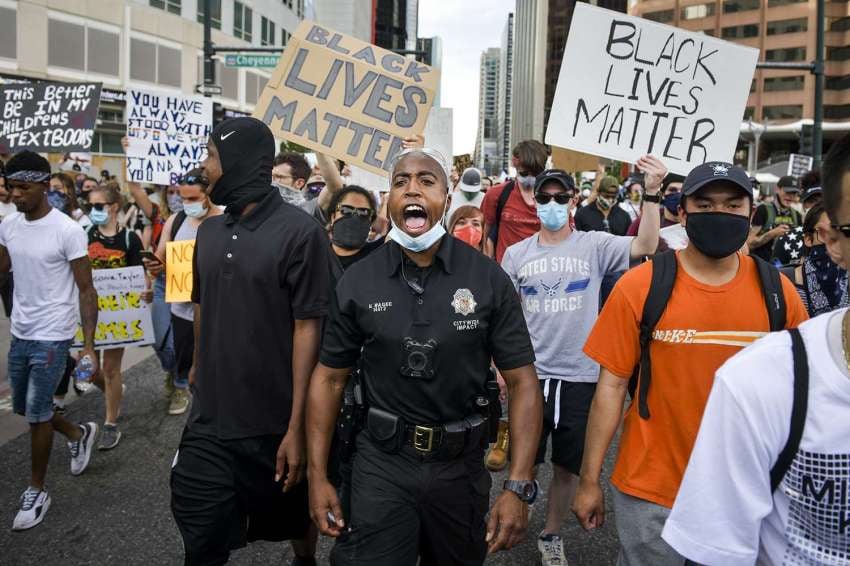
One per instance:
(223, 495)
(565, 412)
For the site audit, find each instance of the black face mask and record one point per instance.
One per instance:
(717, 234)
(350, 232)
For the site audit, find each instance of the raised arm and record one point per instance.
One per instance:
(333, 180)
(646, 241)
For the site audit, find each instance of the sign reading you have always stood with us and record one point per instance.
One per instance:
(630, 86)
(167, 135)
(47, 117)
(351, 100)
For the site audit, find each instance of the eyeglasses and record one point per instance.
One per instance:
(100, 205)
(560, 198)
(192, 180)
(347, 210)
(843, 228)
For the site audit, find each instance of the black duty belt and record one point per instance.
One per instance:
(455, 436)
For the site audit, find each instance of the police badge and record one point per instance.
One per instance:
(463, 302)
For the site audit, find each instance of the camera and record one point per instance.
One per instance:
(419, 358)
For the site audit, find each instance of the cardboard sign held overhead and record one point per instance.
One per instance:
(630, 86)
(341, 96)
(573, 161)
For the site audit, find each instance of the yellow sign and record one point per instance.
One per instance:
(178, 271)
(346, 98)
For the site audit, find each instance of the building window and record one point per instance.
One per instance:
(228, 78)
(104, 52)
(8, 33)
(300, 9)
(66, 45)
(838, 53)
(784, 112)
(776, 3)
(838, 112)
(774, 84)
(749, 112)
(731, 6)
(697, 11)
(739, 32)
(796, 25)
(267, 32)
(837, 83)
(662, 16)
(243, 18)
(837, 24)
(215, 13)
(284, 37)
(153, 63)
(254, 85)
(789, 54)
(173, 6)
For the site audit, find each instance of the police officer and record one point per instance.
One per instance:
(428, 313)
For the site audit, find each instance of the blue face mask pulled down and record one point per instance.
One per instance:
(99, 217)
(553, 216)
(416, 243)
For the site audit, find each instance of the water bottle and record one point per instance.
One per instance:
(85, 369)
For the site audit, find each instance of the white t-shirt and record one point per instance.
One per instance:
(46, 300)
(725, 513)
(7, 209)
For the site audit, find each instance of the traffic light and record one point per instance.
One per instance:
(807, 139)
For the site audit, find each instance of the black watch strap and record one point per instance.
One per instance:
(656, 198)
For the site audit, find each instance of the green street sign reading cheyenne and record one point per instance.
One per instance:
(240, 60)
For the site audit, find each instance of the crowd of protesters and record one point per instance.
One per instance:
(353, 358)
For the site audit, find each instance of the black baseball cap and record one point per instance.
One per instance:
(558, 175)
(811, 192)
(788, 184)
(713, 171)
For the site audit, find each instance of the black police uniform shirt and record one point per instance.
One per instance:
(590, 219)
(425, 357)
(252, 277)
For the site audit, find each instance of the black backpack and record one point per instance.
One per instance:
(500, 207)
(664, 268)
(798, 410)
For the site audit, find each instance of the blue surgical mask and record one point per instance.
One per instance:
(417, 243)
(671, 203)
(553, 216)
(99, 217)
(195, 209)
(57, 200)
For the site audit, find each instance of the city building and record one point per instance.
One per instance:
(351, 17)
(396, 24)
(781, 102)
(154, 44)
(486, 155)
(529, 70)
(431, 49)
(506, 60)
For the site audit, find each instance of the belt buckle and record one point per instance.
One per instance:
(423, 438)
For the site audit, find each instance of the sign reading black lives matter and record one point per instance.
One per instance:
(346, 98)
(48, 117)
(167, 135)
(630, 86)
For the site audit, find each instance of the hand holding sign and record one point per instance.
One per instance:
(654, 172)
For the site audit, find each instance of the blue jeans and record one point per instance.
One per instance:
(163, 335)
(35, 369)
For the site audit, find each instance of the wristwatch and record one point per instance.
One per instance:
(526, 490)
(656, 198)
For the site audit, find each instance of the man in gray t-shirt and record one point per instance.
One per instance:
(558, 273)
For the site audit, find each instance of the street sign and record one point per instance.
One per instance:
(799, 165)
(248, 60)
(208, 90)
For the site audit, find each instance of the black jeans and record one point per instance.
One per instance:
(404, 507)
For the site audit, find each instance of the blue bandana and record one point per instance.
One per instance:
(29, 176)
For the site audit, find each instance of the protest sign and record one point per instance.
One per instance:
(630, 86)
(351, 100)
(48, 117)
(123, 318)
(178, 271)
(573, 161)
(799, 165)
(168, 135)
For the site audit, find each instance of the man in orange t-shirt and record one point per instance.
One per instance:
(716, 309)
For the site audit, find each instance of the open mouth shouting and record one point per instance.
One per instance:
(415, 219)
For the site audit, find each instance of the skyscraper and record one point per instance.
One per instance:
(486, 142)
(433, 56)
(529, 70)
(506, 60)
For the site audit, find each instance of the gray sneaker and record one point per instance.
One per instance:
(551, 548)
(81, 449)
(109, 438)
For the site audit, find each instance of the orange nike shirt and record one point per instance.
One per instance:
(701, 328)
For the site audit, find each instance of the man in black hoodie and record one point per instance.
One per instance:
(261, 288)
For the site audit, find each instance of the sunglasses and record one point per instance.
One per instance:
(100, 205)
(560, 198)
(192, 180)
(843, 228)
(347, 210)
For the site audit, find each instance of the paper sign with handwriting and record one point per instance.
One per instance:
(123, 318)
(178, 271)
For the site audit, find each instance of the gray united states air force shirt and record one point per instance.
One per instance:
(559, 287)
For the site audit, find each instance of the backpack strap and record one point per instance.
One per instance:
(798, 411)
(774, 298)
(664, 268)
(500, 207)
(178, 222)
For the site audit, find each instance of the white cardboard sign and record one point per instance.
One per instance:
(630, 86)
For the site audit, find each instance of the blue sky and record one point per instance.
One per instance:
(467, 28)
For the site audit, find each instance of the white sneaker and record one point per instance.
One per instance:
(551, 548)
(82, 448)
(34, 505)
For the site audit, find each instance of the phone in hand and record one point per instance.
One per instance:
(150, 256)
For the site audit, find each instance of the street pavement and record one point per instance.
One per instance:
(118, 511)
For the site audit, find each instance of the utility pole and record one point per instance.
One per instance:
(209, 62)
(817, 133)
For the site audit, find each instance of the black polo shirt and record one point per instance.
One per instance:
(252, 277)
(590, 219)
(468, 314)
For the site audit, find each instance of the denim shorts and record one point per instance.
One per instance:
(35, 369)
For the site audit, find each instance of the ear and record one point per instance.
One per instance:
(299, 184)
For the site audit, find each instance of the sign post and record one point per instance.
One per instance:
(250, 60)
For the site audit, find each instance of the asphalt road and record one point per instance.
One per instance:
(118, 512)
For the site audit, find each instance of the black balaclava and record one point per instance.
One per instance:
(246, 149)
